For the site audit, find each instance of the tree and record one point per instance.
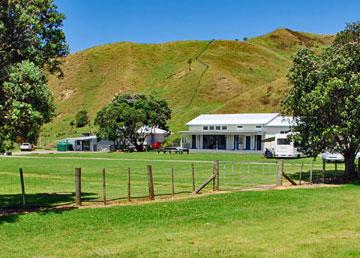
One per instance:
(81, 118)
(121, 120)
(325, 98)
(31, 31)
(28, 102)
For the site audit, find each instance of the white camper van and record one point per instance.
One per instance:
(282, 147)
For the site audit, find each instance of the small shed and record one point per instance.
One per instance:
(83, 143)
(64, 145)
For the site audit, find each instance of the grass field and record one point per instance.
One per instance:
(319, 222)
(49, 179)
(313, 222)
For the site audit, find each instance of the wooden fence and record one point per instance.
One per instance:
(215, 176)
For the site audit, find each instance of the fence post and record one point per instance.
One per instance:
(323, 171)
(336, 167)
(301, 171)
(311, 172)
(358, 168)
(217, 175)
(150, 183)
(22, 188)
(129, 185)
(280, 172)
(193, 176)
(104, 185)
(214, 173)
(172, 182)
(78, 186)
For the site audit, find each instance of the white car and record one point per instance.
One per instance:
(26, 147)
(332, 157)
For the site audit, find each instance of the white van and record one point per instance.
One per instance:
(282, 147)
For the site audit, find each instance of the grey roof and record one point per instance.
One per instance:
(281, 121)
(83, 138)
(234, 119)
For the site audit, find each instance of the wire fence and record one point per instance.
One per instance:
(54, 185)
(49, 185)
(314, 172)
(240, 175)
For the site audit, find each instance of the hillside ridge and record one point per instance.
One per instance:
(241, 76)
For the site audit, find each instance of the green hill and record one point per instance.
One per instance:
(224, 77)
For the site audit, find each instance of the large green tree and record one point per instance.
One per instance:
(121, 120)
(31, 31)
(28, 102)
(325, 97)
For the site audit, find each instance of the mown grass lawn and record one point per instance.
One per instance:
(193, 156)
(320, 222)
(53, 174)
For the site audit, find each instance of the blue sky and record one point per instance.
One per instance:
(95, 22)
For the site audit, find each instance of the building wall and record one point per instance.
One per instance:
(271, 131)
(232, 128)
(104, 145)
(265, 132)
(230, 142)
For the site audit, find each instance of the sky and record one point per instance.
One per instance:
(95, 22)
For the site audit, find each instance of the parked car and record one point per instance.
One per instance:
(332, 157)
(156, 145)
(26, 147)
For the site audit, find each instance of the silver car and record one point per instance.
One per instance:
(332, 157)
(26, 147)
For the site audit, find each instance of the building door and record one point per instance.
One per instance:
(214, 142)
(258, 142)
(193, 141)
(236, 142)
(247, 142)
(86, 145)
(221, 142)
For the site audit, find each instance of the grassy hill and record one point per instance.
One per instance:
(224, 77)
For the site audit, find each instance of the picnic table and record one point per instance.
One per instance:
(176, 150)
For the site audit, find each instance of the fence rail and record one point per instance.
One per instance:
(44, 186)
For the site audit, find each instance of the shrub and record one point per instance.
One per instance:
(81, 118)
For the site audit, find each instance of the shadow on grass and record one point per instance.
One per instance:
(11, 205)
(135, 197)
(329, 177)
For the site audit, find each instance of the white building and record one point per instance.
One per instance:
(83, 143)
(153, 135)
(233, 131)
(150, 136)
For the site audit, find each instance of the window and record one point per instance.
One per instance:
(218, 127)
(224, 127)
(211, 127)
(258, 126)
(283, 141)
(284, 132)
(239, 126)
(205, 128)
